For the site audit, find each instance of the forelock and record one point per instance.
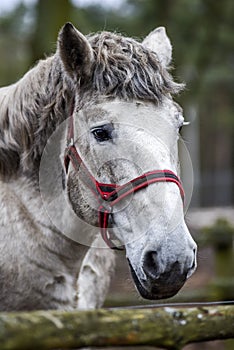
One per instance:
(124, 68)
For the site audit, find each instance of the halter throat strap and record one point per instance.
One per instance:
(108, 195)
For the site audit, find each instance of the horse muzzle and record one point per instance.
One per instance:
(165, 286)
(160, 281)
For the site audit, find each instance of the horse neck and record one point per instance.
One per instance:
(31, 109)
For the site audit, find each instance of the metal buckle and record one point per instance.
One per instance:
(70, 143)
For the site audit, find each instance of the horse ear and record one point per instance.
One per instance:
(159, 42)
(75, 51)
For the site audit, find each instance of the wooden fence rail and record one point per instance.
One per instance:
(169, 328)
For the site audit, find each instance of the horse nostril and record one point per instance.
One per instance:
(150, 265)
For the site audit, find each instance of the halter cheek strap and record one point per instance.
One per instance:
(108, 195)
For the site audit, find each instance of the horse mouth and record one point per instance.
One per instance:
(156, 289)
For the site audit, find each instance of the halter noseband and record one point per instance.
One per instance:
(108, 195)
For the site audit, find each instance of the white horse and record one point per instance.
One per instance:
(113, 94)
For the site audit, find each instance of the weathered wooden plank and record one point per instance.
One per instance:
(170, 328)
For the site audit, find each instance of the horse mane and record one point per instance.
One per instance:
(30, 111)
(32, 108)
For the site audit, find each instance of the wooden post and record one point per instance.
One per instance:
(170, 328)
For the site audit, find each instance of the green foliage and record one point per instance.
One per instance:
(220, 235)
(50, 16)
(13, 45)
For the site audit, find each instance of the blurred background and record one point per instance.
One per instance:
(202, 35)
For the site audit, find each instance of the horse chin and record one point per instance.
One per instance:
(154, 290)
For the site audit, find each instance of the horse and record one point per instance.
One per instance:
(108, 180)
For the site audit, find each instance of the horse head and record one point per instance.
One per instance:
(125, 126)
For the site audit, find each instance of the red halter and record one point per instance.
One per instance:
(108, 195)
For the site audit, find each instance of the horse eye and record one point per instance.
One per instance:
(103, 133)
